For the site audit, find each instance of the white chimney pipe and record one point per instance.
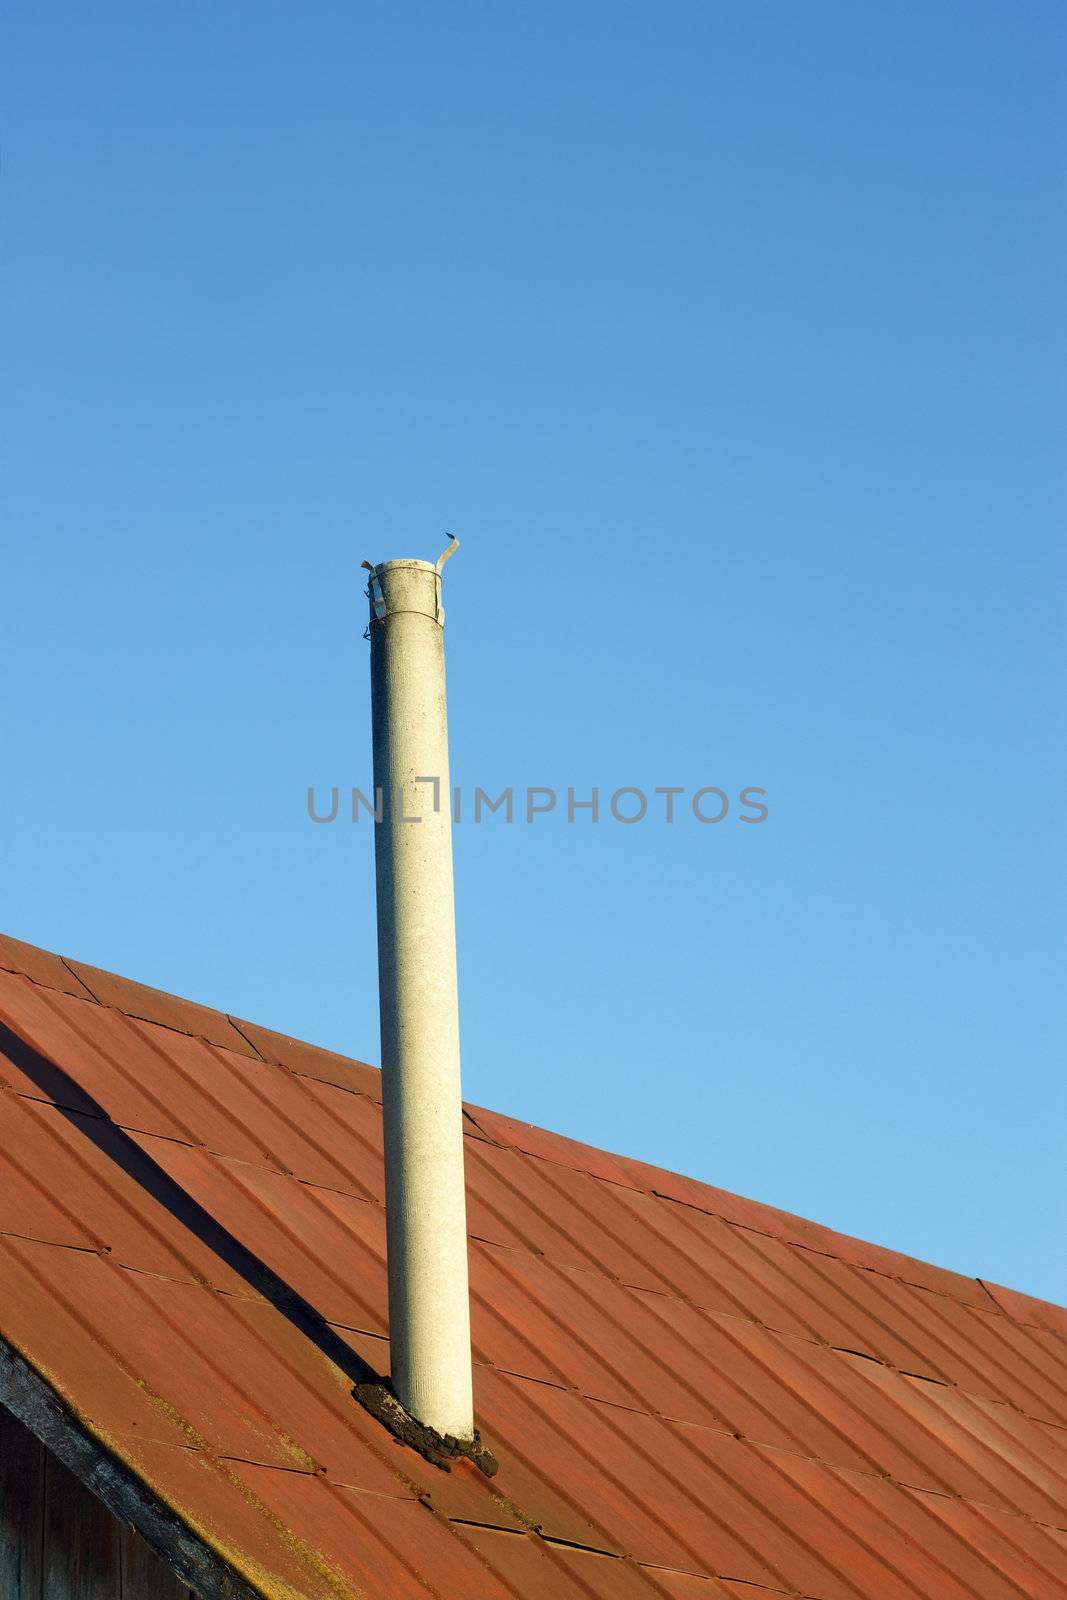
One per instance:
(429, 1311)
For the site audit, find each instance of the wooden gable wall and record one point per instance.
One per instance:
(59, 1542)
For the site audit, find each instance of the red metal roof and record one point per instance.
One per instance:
(690, 1395)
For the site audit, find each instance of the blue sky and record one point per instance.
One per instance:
(729, 338)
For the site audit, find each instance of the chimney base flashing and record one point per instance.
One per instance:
(438, 1448)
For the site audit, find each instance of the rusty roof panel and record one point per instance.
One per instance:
(1024, 1308)
(1015, 1549)
(551, 1147)
(257, 1111)
(29, 1206)
(782, 1225)
(583, 1331)
(548, 1571)
(206, 1492)
(325, 1065)
(366, 1543)
(35, 1038)
(154, 1005)
(690, 1395)
(904, 1552)
(120, 1202)
(685, 1586)
(325, 1246)
(153, 1080)
(689, 1512)
(40, 965)
(54, 1334)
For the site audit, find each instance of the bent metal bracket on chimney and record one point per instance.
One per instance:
(429, 1308)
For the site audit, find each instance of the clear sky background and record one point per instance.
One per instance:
(730, 339)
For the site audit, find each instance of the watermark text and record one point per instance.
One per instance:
(626, 805)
